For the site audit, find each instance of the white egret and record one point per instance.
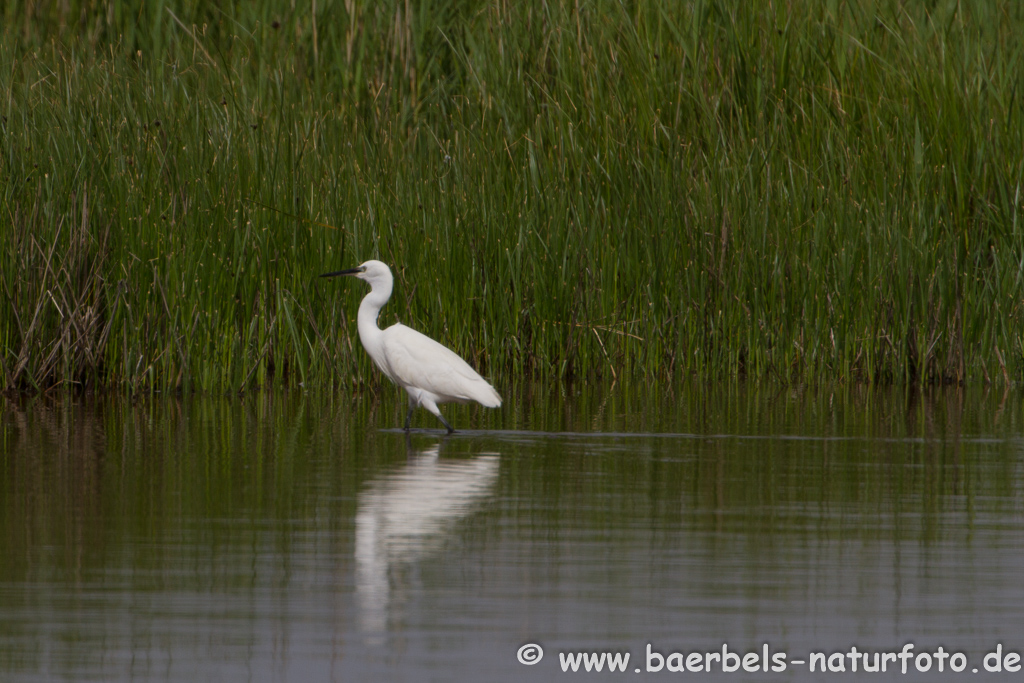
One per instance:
(429, 372)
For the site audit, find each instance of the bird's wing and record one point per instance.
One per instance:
(418, 361)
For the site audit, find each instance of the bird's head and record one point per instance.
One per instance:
(372, 272)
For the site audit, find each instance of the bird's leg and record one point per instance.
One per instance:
(408, 418)
(445, 423)
(428, 402)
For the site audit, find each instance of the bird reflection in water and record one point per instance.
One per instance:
(405, 516)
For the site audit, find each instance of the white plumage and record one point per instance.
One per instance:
(429, 372)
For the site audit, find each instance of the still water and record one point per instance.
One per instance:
(299, 537)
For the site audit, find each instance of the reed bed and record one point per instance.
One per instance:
(794, 191)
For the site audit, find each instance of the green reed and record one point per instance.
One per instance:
(654, 189)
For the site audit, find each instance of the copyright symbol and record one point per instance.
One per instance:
(530, 654)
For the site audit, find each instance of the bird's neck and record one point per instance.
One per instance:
(369, 309)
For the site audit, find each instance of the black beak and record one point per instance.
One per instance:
(349, 271)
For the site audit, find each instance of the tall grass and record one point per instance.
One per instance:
(793, 190)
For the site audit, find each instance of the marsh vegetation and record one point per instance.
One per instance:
(791, 190)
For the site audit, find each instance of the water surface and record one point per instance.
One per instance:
(293, 536)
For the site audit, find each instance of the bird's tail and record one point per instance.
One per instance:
(487, 396)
